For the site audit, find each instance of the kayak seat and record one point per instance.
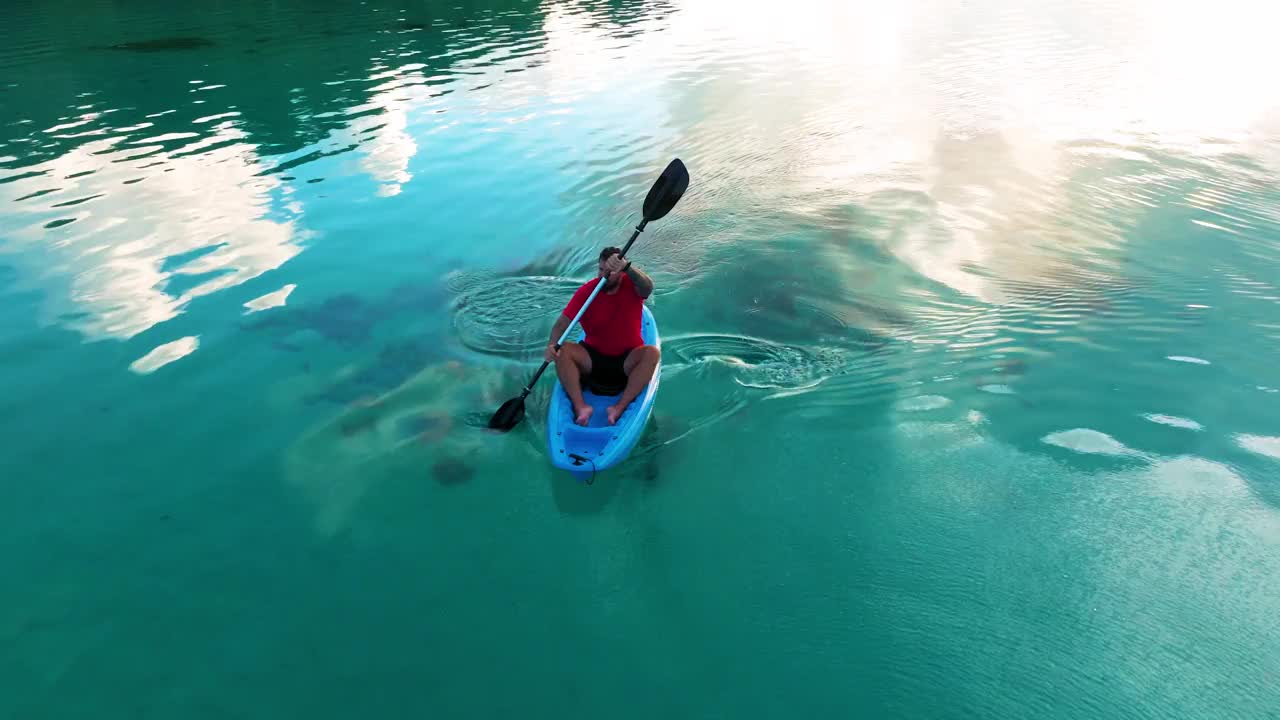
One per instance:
(604, 389)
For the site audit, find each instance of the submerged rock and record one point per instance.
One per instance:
(164, 44)
(394, 364)
(420, 426)
(428, 428)
(347, 319)
(344, 319)
(452, 471)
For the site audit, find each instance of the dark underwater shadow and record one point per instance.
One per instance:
(576, 497)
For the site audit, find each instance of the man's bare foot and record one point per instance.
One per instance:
(613, 412)
(584, 415)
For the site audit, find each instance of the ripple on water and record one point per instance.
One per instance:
(756, 362)
(488, 320)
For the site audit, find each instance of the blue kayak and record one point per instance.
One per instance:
(583, 451)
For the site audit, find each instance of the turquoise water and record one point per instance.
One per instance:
(970, 405)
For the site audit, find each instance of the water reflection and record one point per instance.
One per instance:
(165, 354)
(271, 300)
(176, 173)
(124, 231)
(975, 188)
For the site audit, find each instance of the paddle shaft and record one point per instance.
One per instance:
(563, 336)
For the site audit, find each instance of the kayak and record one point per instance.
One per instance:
(583, 451)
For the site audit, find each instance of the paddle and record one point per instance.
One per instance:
(663, 196)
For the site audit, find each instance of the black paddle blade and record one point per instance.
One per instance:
(666, 191)
(508, 416)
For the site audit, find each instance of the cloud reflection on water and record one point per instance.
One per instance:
(156, 227)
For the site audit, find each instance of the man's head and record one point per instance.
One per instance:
(601, 268)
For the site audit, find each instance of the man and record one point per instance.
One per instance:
(612, 356)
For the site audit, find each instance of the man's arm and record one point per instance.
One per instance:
(566, 316)
(643, 283)
(562, 324)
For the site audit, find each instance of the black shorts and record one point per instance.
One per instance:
(607, 374)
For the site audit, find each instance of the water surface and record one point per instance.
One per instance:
(969, 402)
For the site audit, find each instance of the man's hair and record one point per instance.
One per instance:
(611, 250)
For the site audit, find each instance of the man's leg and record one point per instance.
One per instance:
(573, 361)
(639, 367)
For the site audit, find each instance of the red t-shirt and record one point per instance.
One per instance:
(612, 323)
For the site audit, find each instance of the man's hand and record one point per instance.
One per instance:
(550, 353)
(614, 265)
